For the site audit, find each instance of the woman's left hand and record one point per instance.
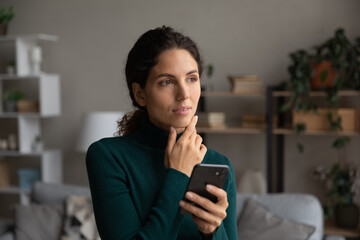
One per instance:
(210, 219)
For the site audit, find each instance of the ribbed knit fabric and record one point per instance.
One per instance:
(135, 197)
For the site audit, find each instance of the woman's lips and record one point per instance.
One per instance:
(182, 110)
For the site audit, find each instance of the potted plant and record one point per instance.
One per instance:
(37, 144)
(11, 97)
(6, 15)
(10, 68)
(332, 66)
(342, 182)
(207, 82)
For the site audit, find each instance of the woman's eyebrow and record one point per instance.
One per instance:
(173, 76)
(191, 72)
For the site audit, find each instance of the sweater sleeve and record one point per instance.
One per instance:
(228, 229)
(115, 212)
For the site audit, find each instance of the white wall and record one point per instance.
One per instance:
(243, 36)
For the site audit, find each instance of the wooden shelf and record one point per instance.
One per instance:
(231, 94)
(26, 154)
(18, 114)
(22, 77)
(344, 93)
(231, 130)
(289, 131)
(13, 190)
(19, 154)
(39, 36)
(331, 229)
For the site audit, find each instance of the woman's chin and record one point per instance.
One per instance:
(181, 122)
(182, 125)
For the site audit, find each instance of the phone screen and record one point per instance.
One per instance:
(203, 174)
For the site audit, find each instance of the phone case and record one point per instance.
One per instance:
(203, 174)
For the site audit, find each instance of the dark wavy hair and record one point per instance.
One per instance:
(143, 57)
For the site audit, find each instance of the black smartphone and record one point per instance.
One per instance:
(203, 174)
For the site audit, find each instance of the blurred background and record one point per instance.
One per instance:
(235, 37)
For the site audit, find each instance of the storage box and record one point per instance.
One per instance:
(27, 177)
(27, 106)
(313, 121)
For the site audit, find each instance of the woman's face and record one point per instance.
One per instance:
(172, 90)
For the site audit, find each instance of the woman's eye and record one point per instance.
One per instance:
(165, 82)
(192, 79)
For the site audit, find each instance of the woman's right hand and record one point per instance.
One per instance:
(185, 153)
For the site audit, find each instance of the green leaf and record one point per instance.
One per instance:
(284, 107)
(300, 127)
(340, 142)
(298, 106)
(209, 70)
(300, 148)
(323, 75)
(337, 80)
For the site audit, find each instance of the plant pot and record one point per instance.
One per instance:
(27, 106)
(10, 106)
(325, 67)
(347, 215)
(3, 29)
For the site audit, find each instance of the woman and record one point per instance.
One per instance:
(137, 180)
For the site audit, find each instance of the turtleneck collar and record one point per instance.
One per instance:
(150, 135)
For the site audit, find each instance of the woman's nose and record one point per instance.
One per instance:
(182, 92)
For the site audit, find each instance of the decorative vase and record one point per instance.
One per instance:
(36, 60)
(3, 29)
(319, 69)
(347, 215)
(10, 106)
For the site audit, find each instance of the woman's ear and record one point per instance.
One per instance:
(139, 94)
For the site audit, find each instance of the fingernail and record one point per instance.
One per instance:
(171, 129)
(189, 195)
(182, 203)
(209, 187)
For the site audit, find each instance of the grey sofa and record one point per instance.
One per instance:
(46, 193)
(301, 208)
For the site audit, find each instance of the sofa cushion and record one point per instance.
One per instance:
(36, 221)
(257, 223)
(79, 220)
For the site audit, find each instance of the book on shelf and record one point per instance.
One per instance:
(246, 84)
(255, 121)
(211, 119)
(211, 125)
(243, 78)
(4, 174)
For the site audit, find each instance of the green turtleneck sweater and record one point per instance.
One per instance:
(135, 197)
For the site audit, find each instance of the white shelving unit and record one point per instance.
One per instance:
(45, 88)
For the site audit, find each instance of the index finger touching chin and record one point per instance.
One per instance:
(193, 122)
(191, 127)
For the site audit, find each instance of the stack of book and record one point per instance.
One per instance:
(246, 84)
(211, 119)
